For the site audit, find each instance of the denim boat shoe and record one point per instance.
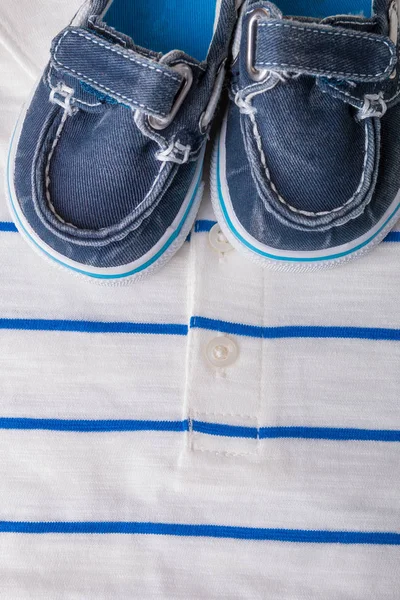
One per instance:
(105, 164)
(306, 170)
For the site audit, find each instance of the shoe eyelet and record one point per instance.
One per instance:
(255, 74)
(160, 123)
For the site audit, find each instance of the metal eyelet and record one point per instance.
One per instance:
(160, 123)
(255, 74)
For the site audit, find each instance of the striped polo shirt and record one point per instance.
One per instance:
(136, 461)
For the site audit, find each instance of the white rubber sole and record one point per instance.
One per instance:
(281, 259)
(173, 238)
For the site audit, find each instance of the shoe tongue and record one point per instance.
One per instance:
(353, 22)
(320, 9)
(315, 11)
(97, 25)
(302, 10)
(112, 35)
(101, 28)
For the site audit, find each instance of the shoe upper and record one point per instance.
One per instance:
(310, 146)
(112, 138)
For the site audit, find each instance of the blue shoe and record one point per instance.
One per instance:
(306, 170)
(105, 163)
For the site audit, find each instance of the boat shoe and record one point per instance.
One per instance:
(306, 169)
(104, 170)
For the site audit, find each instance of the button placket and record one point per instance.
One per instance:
(223, 377)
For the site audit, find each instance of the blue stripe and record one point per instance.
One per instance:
(330, 433)
(203, 225)
(304, 536)
(255, 331)
(7, 226)
(217, 429)
(225, 430)
(295, 331)
(93, 326)
(394, 236)
(308, 433)
(94, 426)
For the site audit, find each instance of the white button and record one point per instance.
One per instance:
(222, 352)
(217, 239)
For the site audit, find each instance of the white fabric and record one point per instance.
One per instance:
(117, 567)
(26, 28)
(189, 477)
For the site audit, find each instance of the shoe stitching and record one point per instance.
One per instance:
(155, 182)
(347, 94)
(359, 100)
(148, 131)
(47, 169)
(281, 199)
(75, 99)
(87, 103)
(388, 69)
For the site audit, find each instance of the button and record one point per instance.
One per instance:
(222, 352)
(218, 241)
